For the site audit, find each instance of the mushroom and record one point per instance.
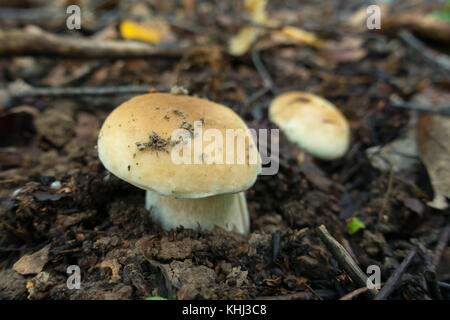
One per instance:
(140, 139)
(311, 122)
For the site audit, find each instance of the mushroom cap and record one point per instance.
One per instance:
(311, 122)
(153, 118)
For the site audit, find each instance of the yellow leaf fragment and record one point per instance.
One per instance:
(303, 36)
(241, 43)
(131, 30)
(257, 10)
(247, 36)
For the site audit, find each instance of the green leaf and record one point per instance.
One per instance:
(155, 298)
(441, 15)
(355, 225)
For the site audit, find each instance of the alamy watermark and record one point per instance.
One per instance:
(373, 21)
(74, 279)
(74, 20)
(374, 278)
(235, 146)
(374, 17)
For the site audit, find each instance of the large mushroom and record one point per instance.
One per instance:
(140, 142)
(311, 122)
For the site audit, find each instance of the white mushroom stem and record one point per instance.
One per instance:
(228, 211)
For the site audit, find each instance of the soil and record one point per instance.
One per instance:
(56, 195)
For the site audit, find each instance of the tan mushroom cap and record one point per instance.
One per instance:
(152, 168)
(312, 122)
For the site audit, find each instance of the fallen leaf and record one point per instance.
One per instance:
(399, 155)
(414, 205)
(257, 10)
(425, 25)
(32, 263)
(349, 49)
(248, 35)
(303, 36)
(131, 30)
(433, 142)
(355, 225)
(242, 42)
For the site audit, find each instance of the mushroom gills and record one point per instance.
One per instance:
(228, 211)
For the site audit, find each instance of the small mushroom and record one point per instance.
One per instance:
(311, 122)
(191, 194)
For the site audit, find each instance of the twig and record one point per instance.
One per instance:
(432, 283)
(259, 65)
(33, 14)
(355, 293)
(345, 260)
(385, 200)
(444, 285)
(79, 73)
(256, 95)
(424, 25)
(440, 61)
(441, 245)
(81, 91)
(429, 271)
(444, 110)
(291, 296)
(276, 245)
(395, 278)
(301, 296)
(37, 42)
(5, 249)
(313, 292)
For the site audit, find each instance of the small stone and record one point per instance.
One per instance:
(55, 185)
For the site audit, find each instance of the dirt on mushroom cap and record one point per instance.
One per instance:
(143, 120)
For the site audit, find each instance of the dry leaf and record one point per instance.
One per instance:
(433, 142)
(257, 10)
(247, 36)
(242, 42)
(427, 26)
(135, 31)
(399, 155)
(303, 36)
(349, 49)
(32, 263)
